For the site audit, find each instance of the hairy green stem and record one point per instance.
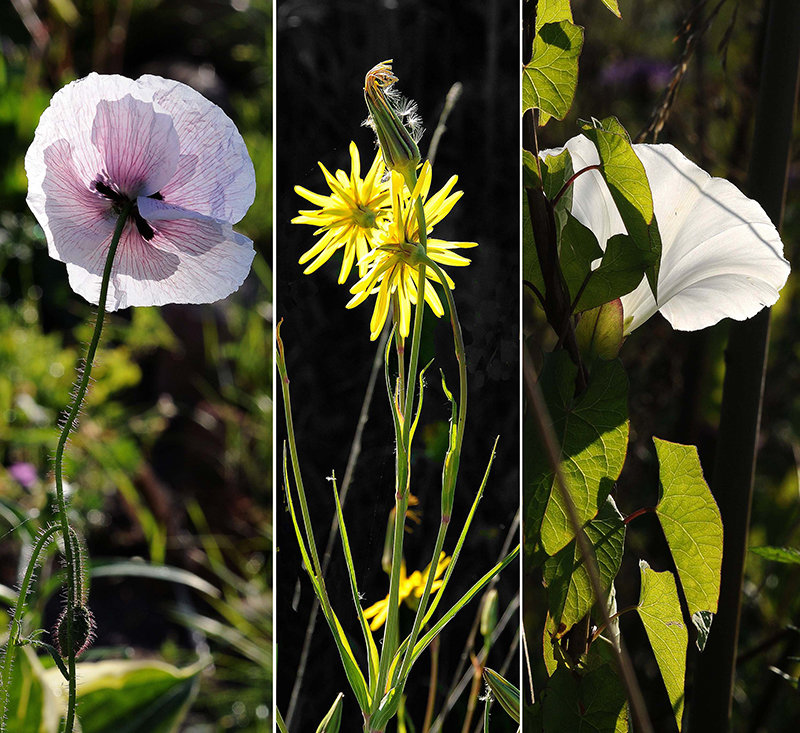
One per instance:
(16, 620)
(69, 423)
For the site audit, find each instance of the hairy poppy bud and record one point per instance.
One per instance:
(83, 628)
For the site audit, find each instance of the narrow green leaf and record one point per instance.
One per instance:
(660, 611)
(692, 524)
(505, 693)
(556, 171)
(620, 272)
(141, 569)
(789, 555)
(422, 644)
(387, 708)
(612, 6)
(569, 590)
(333, 720)
(550, 78)
(627, 182)
(369, 641)
(593, 431)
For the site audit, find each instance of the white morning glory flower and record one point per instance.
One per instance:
(721, 255)
(108, 140)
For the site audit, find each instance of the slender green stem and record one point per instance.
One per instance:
(16, 620)
(403, 464)
(69, 423)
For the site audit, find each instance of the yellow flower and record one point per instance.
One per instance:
(350, 217)
(411, 590)
(394, 263)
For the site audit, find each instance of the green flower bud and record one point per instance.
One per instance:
(489, 613)
(83, 629)
(394, 120)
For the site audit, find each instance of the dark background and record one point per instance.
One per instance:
(324, 50)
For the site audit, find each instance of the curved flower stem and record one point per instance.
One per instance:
(69, 423)
(16, 620)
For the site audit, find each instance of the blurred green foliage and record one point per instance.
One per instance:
(177, 424)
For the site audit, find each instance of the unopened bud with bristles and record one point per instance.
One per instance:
(83, 628)
(394, 120)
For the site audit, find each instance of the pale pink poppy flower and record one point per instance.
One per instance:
(721, 255)
(105, 140)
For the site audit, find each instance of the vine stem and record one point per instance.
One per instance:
(69, 423)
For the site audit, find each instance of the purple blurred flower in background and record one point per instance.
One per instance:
(106, 141)
(636, 73)
(24, 473)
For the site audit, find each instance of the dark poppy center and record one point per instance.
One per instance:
(119, 200)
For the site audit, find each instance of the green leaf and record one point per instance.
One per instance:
(702, 622)
(660, 611)
(333, 720)
(33, 707)
(531, 269)
(612, 6)
(506, 694)
(691, 522)
(141, 569)
(579, 248)
(133, 696)
(600, 331)
(593, 702)
(570, 595)
(789, 555)
(550, 78)
(627, 182)
(620, 272)
(530, 171)
(593, 431)
(552, 11)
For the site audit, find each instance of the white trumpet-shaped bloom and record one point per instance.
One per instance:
(721, 255)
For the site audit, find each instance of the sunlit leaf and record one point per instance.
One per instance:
(627, 182)
(550, 78)
(552, 11)
(333, 720)
(692, 524)
(592, 429)
(570, 595)
(660, 611)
